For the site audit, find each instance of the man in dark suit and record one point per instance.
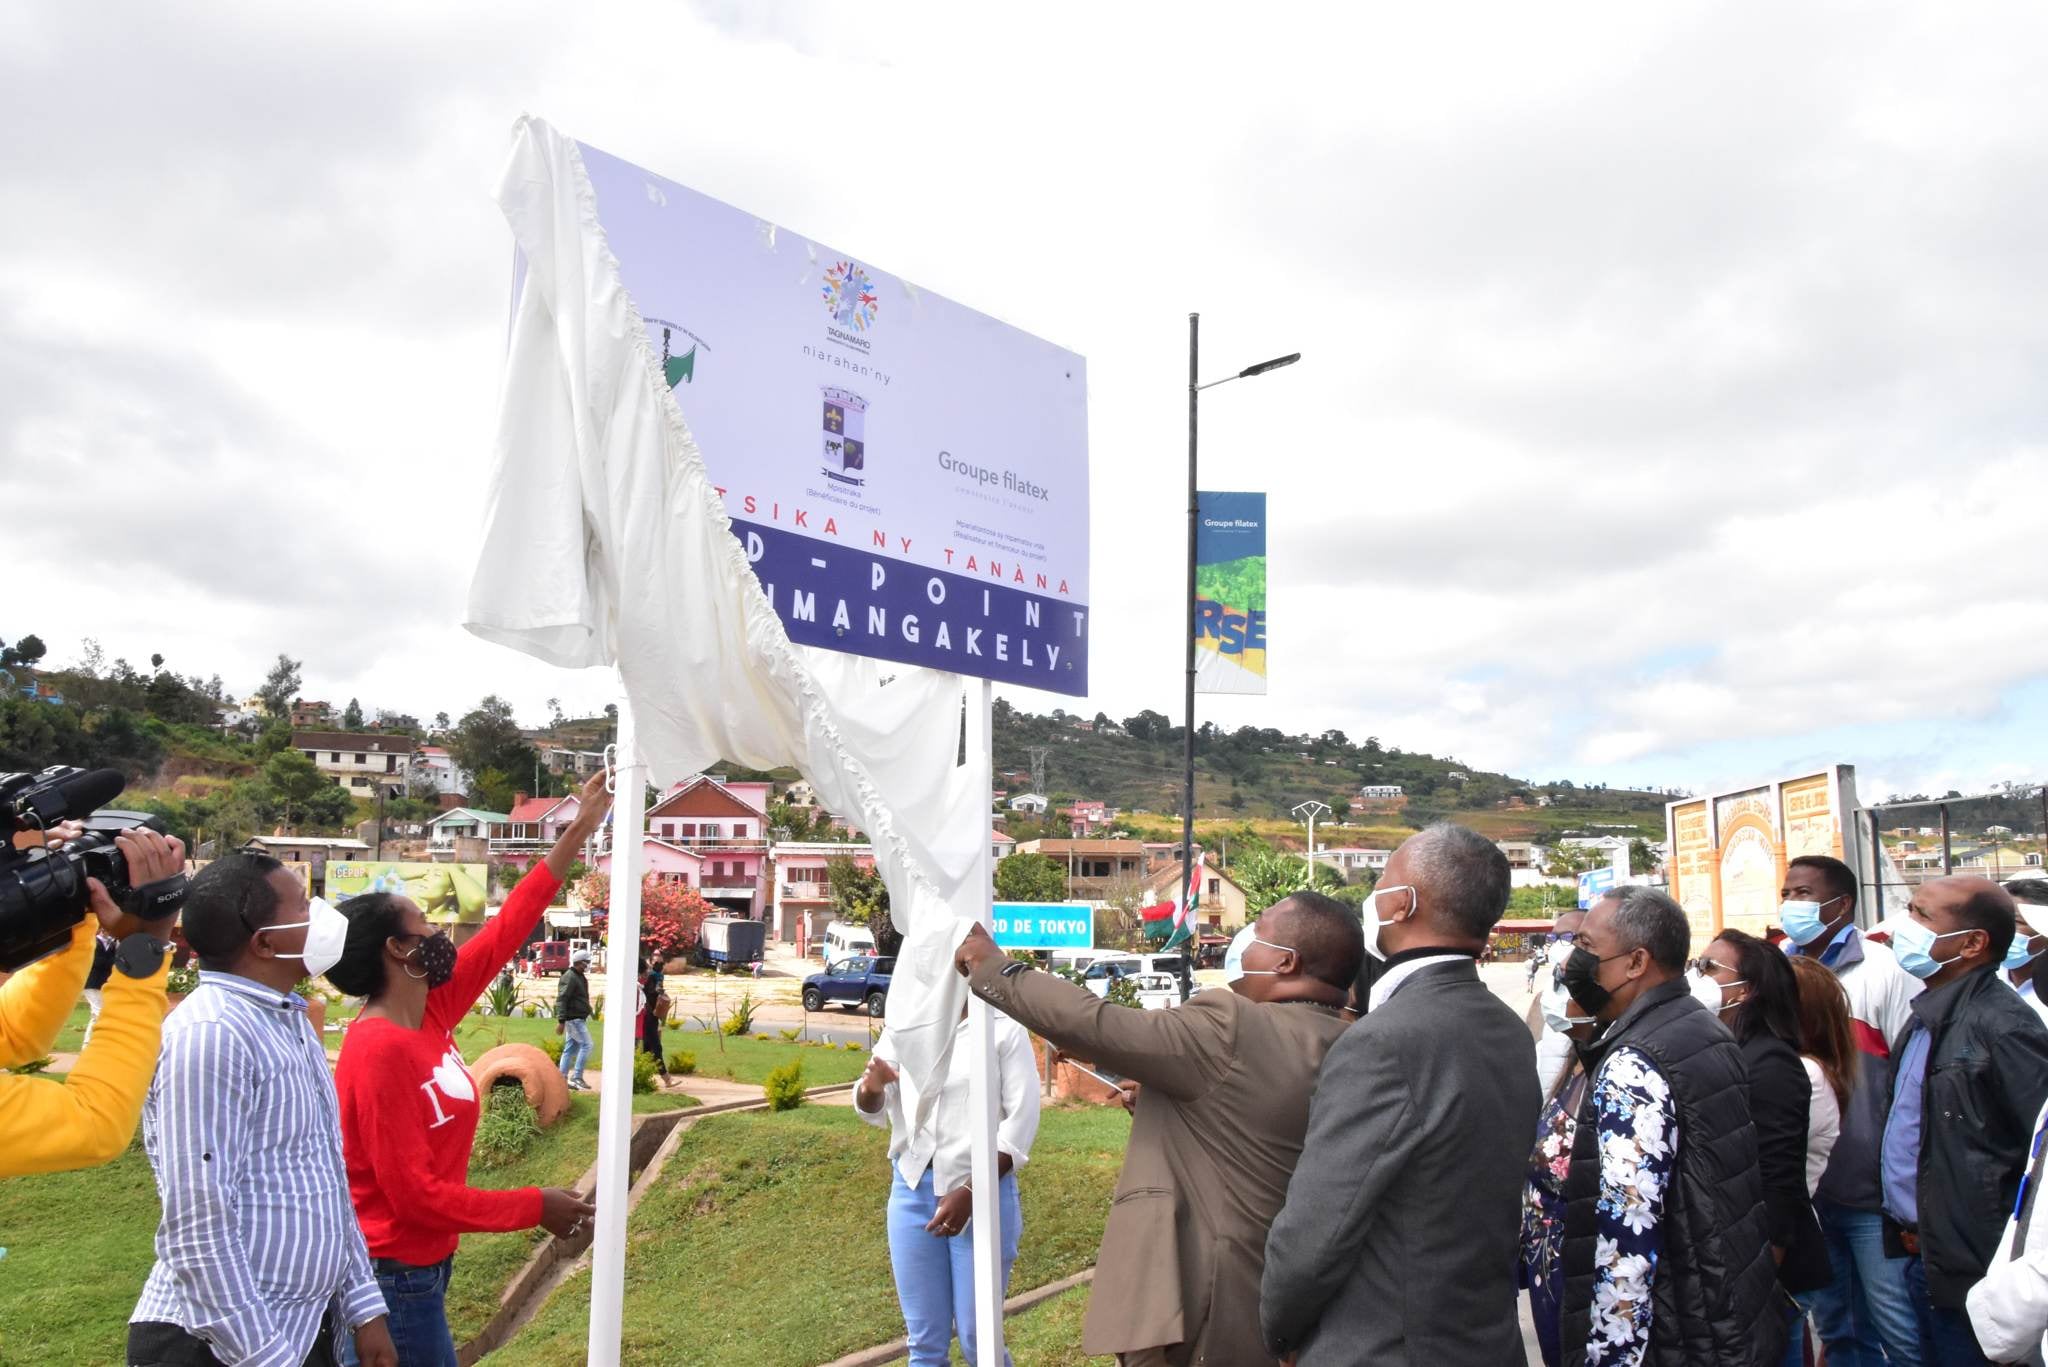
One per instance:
(1217, 1128)
(1398, 1240)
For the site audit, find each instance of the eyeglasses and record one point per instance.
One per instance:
(1708, 967)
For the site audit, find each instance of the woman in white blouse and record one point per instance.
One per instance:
(930, 1202)
(1827, 1046)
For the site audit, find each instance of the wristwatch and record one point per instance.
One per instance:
(140, 955)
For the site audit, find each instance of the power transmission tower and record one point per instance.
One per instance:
(1038, 754)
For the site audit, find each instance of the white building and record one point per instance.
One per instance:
(1351, 860)
(1033, 804)
(361, 762)
(435, 765)
(1378, 790)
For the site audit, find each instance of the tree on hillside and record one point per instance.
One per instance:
(1147, 725)
(352, 716)
(488, 738)
(1569, 861)
(1030, 878)
(1641, 858)
(441, 721)
(280, 686)
(492, 790)
(297, 785)
(25, 651)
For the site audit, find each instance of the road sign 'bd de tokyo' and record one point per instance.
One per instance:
(909, 477)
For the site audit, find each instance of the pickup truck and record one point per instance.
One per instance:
(852, 982)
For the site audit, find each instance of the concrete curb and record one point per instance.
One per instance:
(897, 1350)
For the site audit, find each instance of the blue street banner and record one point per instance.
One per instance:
(909, 477)
(1594, 884)
(1230, 593)
(1044, 925)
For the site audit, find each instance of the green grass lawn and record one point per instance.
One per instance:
(763, 1242)
(79, 1244)
(1047, 1335)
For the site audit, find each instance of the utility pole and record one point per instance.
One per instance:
(1309, 811)
(1038, 754)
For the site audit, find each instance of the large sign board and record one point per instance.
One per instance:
(1595, 884)
(909, 477)
(1729, 850)
(1230, 593)
(1044, 925)
(450, 894)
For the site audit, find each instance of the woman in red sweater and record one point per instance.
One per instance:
(409, 1107)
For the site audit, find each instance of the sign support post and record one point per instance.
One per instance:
(984, 1092)
(615, 1101)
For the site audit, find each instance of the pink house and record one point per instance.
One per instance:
(803, 897)
(531, 827)
(724, 826)
(668, 862)
(1090, 817)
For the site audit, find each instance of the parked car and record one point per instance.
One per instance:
(845, 941)
(852, 982)
(549, 956)
(1157, 991)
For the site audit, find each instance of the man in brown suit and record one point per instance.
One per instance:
(1218, 1125)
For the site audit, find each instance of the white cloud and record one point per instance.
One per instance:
(1670, 374)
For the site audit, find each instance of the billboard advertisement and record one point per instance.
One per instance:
(909, 477)
(1044, 925)
(1729, 850)
(1230, 593)
(450, 894)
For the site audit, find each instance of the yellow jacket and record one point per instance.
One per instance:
(52, 1126)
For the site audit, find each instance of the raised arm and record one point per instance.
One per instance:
(1180, 1052)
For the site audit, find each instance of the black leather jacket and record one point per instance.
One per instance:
(1987, 1075)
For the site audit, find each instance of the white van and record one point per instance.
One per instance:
(844, 941)
(1079, 959)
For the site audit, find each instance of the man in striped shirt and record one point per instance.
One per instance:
(258, 1259)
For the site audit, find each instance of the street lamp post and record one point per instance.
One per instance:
(1195, 388)
(1309, 811)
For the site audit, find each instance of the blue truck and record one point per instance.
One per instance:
(861, 980)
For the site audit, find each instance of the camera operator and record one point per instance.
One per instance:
(52, 1126)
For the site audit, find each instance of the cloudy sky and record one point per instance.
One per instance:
(1671, 408)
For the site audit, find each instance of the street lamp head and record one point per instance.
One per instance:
(1263, 366)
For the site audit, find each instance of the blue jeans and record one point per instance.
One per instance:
(1864, 1317)
(1945, 1335)
(416, 1303)
(935, 1275)
(575, 1048)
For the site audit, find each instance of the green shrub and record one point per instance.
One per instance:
(681, 1061)
(34, 1065)
(182, 979)
(552, 1047)
(506, 1129)
(785, 1086)
(643, 1071)
(531, 1010)
(741, 1019)
(789, 1036)
(501, 996)
(852, 1046)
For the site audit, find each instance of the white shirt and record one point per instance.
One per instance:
(2009, 1308)
(1823, 1123)
(944, 1142)
(2032, 998)
(1388, 985)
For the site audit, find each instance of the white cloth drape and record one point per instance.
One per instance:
(606, 544)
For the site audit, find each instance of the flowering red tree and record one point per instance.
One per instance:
(670, 913)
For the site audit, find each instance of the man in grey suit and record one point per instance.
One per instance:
(1398, 1240)
(1218, 1124)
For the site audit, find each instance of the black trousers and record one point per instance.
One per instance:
(153, 1343)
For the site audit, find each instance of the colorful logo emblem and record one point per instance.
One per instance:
(676, 369)
(850, 296)
(846, 452)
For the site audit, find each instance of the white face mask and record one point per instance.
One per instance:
(1233, 957)
(1557, 1007)
(1373, 921)
(1711, 993)
(326, 937)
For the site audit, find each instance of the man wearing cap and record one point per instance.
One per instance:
(572, 1018)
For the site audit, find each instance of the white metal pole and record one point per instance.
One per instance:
(615, 1102)
(984, 1095)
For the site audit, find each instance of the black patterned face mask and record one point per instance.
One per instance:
(436, 954)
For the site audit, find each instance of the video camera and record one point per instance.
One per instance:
(42, 891)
